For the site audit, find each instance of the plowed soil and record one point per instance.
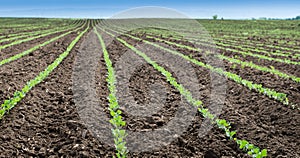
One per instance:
(46, 122)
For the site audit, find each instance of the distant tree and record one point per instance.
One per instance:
(222, 18)
(262, 18)
(215, 17)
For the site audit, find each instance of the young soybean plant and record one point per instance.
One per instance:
(251, 149)
(118, 134)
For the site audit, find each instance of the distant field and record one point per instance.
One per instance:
(261, 67)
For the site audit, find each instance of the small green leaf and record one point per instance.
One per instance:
(123, 123)
(256, 150)
(264, 153)
(249, 153)
(250, 146)
(119, 112)
(232, 133)
(112, 113)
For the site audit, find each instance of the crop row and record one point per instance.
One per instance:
(271, 30)
(6, 32)
(238, 38)
(31, 24)
(224, 44)
(271, 70)
(280, 44)
(54, 31)
(256, 47)
(19, 95)
(33, 33)
(12, 34)
(221, 123)
(244, 53)
(117, 122)
(29, 21)
(258, 44)
(18, 56)
(41, 27)
(269, 41)
(258, 87)
(18, 26)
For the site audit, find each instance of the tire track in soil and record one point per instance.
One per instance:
(46, 123)
(257, 118)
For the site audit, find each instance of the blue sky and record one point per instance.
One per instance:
(230, 9)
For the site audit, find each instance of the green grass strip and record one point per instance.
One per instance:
(118, 133)
(19, 95)
(282, 97)
(221, 123)
(18, 56)
(35, 37)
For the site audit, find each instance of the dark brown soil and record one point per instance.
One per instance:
(46, 122)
